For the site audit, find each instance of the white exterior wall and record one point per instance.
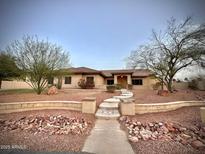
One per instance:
(14, 85)
(74, 81)
(129, 79)
(115, 79)
(98, 80)
(148, 83)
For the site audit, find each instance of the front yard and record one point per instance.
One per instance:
(64, 130)
(150, 96)
(140, 96)
(166, 133)
(46, 130)
(63, 94)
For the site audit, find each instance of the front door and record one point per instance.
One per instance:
(122, 80)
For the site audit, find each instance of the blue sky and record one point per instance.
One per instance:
(97, 33)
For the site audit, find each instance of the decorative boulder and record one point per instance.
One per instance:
(198, 145)
(163, 92)
(133, 139)
(52, 91)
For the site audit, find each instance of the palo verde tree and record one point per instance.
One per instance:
(179, 46)
(38, 60)
(8, 68)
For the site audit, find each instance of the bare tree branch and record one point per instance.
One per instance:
(38, 59)
(182, 45)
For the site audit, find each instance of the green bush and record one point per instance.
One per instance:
(59, 84)
(156, 86)
(193, 84)
(90, 84)
(111, 88)
(118, 86)
(86, 84)
(130, 86)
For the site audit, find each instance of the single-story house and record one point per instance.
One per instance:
(139, 78)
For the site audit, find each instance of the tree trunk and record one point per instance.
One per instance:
(39, 88)
(169, 85)
(162, 85)
(59, 86)
(0, 83)
(38, 91)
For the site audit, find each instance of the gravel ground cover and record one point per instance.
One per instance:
(180, 131)
(63, 94)
(150, 96)
(46, 130)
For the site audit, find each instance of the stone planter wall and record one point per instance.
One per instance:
(163, 107)
(41, 105)
(127, 108)
(89, 105)
(202, 112)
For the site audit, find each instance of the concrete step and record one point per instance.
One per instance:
(127, 92)
(112, 100)
(130, 94)
(122, 97)
(107, 114)
(107, 105)
(124, 90)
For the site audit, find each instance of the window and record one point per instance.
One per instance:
(137, 82)
(110, 82)
(67, 80)
(90, 79)
(50, 80)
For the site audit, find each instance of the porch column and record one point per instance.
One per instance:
(129, 80)
(115, 79)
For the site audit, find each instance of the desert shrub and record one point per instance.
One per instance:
(156, 86)
(86, 84)
(90, 84)
(118, 86)
(111, 88)
(130, 86)
(59, 85)
(82, 83)
(163, 92)
(193, 84)
(178, 80)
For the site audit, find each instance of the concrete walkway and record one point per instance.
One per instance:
(107, 138)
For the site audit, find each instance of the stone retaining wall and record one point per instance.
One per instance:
(41, 105)
(15, 85)
(202, 112)
(163, 107)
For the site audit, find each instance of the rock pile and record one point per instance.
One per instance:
(46, 124)
(194, 135)
(163, 92)
(52, 91)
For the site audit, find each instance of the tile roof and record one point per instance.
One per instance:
(109, 73)
(82, 70)
(133, 72)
